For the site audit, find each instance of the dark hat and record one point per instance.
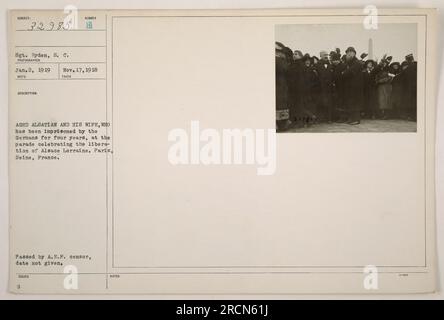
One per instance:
(279, 46)
(404, 63)
(350, 49)
(335, 56)
(373, 62)
(389, 58)
(306, 57)
(409, 57)
(364, 55)
(394, 64)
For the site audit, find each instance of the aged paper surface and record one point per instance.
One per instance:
(104, 199)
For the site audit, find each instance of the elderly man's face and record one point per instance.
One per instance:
(324, 57)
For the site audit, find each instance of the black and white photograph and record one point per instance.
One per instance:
(346, 78)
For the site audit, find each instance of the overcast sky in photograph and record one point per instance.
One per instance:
(395, 39)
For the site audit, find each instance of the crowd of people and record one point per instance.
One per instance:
(342, 88)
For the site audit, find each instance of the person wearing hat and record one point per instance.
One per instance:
(308, 91)
(337, 66)
(294, 81)
(351, 52)
(306, 59)
(363, 56)
(398, 87)
(410, 95)
(409, 58)
(297, 55)
(335, 58)
(353, 87)
(282, 111)
(335, 55)
(395, 68)
(384, 88)
(324, 71)
(370, 93)
(404, 65)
